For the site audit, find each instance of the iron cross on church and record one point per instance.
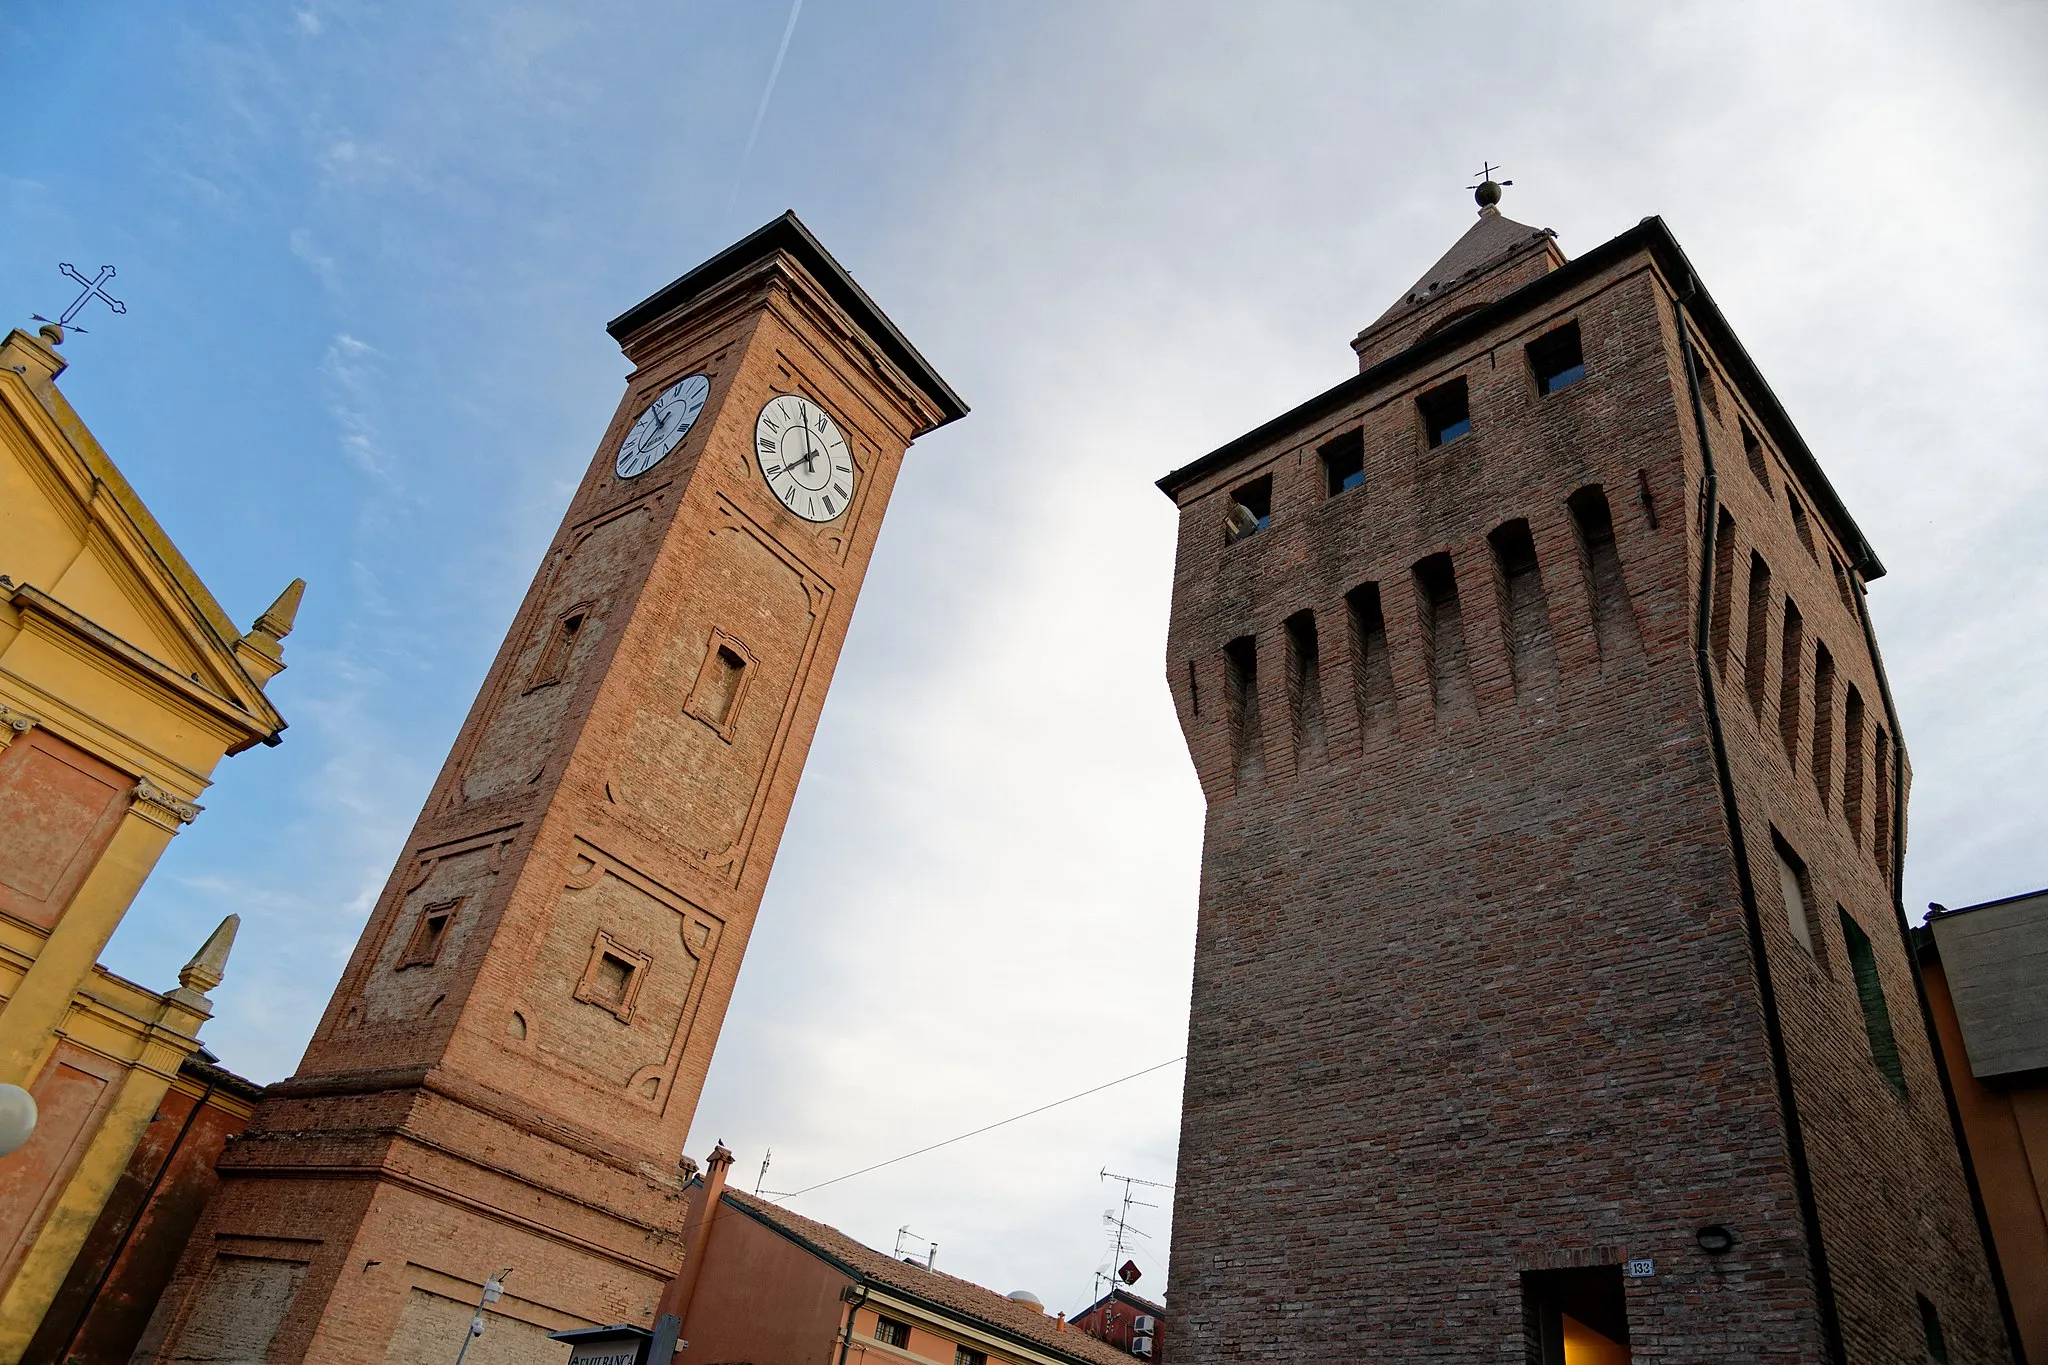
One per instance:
(93, 288)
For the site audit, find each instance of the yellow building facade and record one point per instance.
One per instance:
(122, 685)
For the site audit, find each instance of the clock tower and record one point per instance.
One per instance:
(511, 1061)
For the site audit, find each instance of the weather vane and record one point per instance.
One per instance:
(1487, 191)
(93, 288)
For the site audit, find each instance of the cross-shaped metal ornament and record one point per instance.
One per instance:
(1486, 170)
(93, 288)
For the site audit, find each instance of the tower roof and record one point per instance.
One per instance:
(1490, 241)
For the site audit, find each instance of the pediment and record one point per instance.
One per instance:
(81, 553)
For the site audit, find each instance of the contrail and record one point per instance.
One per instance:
(788, 30)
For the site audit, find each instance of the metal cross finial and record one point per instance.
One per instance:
(1487, 191)
(93, 288)
(1486, 170)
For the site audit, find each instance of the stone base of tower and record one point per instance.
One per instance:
(369, 1243)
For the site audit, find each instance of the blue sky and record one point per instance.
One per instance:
(368, 252)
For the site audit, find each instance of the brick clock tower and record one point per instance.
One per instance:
(508, 1069)
(1551, 995)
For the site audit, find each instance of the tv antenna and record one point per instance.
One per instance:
(927, 1261)
(762, 1178)
(1119, 1220)
(94, 288)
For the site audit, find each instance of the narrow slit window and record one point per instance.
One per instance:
(1881, 798)
(1930, 1327)
(1823, 724)
(1710, 392)
(721, 686)
(1343, 463)
(1802, 525)
(1305, 684)
(1796, 889)
(1446, 412)
(1241, 700)
(1753, 452)
(429, 932)
(1372, 672)
(1724, 589)
(1852, 764)
(1757, 641)
(1791, 654)
(1251, 510)
(560, 645)
(1556, 359)
(1842, 588)
(1877, 1014)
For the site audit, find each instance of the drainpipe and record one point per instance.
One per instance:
(1795, 1142)
(853, 1306)
(1896, 856)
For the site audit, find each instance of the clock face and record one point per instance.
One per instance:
(805, 460)
(660, 428)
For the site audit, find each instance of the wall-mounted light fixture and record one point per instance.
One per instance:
(1715, 1240)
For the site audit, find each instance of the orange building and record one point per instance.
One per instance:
(764, 1284)
(1127, 1322)
(1986, 971)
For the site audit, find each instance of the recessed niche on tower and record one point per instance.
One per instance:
(1371, 669)
(1443, 633)
(1614, 617)
(1795, 888)
(1305, 685)
(1241, 704)
(1531, 658)
(559, 646)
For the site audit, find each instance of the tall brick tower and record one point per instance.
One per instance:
(506, 1073)
(1551, 1000)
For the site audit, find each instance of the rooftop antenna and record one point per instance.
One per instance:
(94, 288)
(1120, 1219)
(931, 1257)
(1487, 191)
(762, 1178)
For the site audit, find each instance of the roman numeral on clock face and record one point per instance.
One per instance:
(802, 454)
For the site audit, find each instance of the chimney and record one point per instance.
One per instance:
(674, 1308)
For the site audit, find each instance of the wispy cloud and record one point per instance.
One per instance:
(352, 369)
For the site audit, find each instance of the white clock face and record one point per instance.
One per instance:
(804, 458)
(660, 428)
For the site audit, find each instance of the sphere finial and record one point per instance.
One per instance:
(1487, 192)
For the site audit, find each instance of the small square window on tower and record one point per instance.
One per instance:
(721, 685)
(423, 949)
(1251, 510)
(1556, 360)
(1446, 412)
(560, 644)
(612, 979)
(1344, 462)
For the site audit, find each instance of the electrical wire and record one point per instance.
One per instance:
(1095, 1090)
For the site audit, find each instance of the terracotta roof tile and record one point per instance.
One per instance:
(948, 1293)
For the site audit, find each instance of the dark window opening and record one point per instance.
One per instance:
(890, 1332)
(1791, 652)
(1797, 889)
(1344, 463)
(1194, 690)
(609, 982)
(431, 930)
(1930, 1324)
(1251, 510)
(963, 1355)
(1823, 723)
(1575, 1315)
(1877, 1015)
(723, 686)
(1241, 701)
(1556, 360)
(1756, 643)
(1753, 451)
(1305, 684)
(1446, 412)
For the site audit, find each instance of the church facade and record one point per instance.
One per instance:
(1552, 998)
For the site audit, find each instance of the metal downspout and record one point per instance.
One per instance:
(852, 1306)
(1795, 1143)
(1896, 856)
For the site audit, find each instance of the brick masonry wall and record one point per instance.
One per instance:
(485, 1101)
(1473, 989)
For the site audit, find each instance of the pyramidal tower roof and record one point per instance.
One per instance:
(1496, 255)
